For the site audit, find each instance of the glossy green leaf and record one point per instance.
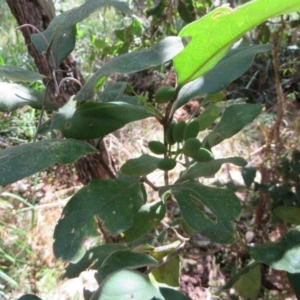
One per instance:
(140, 166)
(121, 260)
(132, 62)
(113, 92)
(95, 120)
(210, 168)
(19, 74)
(215, 80)
(29, 297)
(114, 202)
(21, 161)
(127, 282)
(61, 33)
(213, 35)
(172, 294)
(168, 273)
(209, 211)
(248, 174)
(92, 259)
(210, 114)
(248, 285)
(14, 96)
(283, 255)
(233, 120)
(289, 214)
(294, 280)
(148, 217)
(239, 274)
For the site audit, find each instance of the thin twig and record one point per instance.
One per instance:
(146, 180)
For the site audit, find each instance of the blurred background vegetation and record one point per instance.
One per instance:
(29, 209)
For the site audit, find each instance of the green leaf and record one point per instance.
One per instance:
(21, 161)
(127, 282)
(289, 214)
(113, 92)
(148, 216)
(239, 274)
(210, 114)
(248, 285)
(92, 259)
(19, 74)
(294, 280)
(186, 10)
(172, 294)
(209, 211)
(209, 169)
(234, 119)
(168, 273)
(248, 174)
(282, 255)
(114, 202)
(61, 33)
(93, 119)
(14, 96)
(140, 166)
(213, 35)
(158, 54)
(215, 80)
(29, 297)
(121, 260)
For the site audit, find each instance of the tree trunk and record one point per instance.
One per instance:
(39, 14)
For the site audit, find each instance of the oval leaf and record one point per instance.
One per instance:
(289, 214)
(140, 166)
(213, 34)
(14, 96)
(158, 54)
(19, 74)
(114, 202)
(92, 259)
(127, 282)
(21, 161)
(121, 260)
(283, 255)
(209, 211)
(148, 216)
(210, 168)
(234, 119)
(95, 120)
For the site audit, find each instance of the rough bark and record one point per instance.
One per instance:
(39, 13)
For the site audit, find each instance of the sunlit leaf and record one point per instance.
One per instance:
(209, 211)
(113, 202)
(282, 255)
(14, 96)
(21, 161)
(212, 35)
